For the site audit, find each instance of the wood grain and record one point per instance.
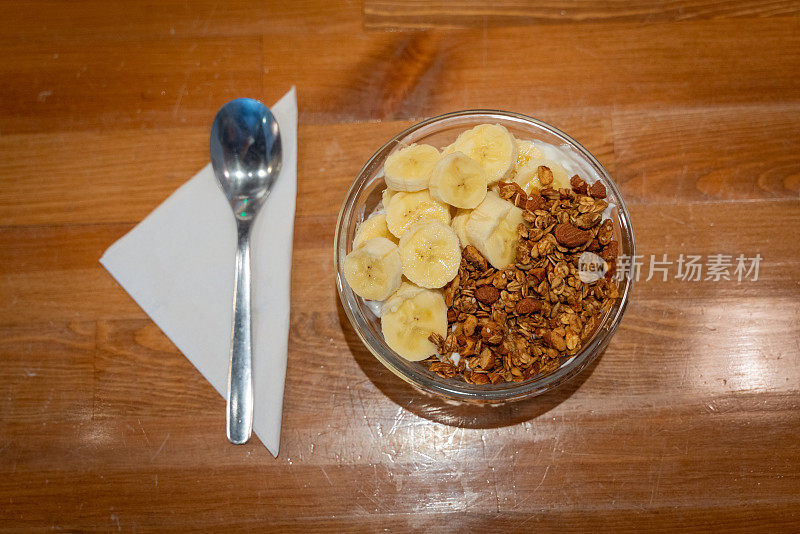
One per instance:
(709, 155)
(109, 85)
(397, 75)
(422, 14)
(610, 65)
(688, 422)
(134, 357)
(40, 368)
(53, 21)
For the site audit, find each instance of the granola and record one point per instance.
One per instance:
(508, 325)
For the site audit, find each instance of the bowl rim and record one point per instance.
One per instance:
(510, 391)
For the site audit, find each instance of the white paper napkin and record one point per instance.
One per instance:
(178, 265)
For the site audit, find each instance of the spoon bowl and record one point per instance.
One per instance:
(245, 148)
(245, 153)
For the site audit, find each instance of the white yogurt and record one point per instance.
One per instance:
(568, 158)
(374, 306)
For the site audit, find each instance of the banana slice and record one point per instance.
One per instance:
(484, 218)
(409, 317)
(459, 226)
(528, 178)
(501, 246)
(449, 149)
(459, 181)
(409, 169)
(375, 226)
(526, 151)
(374, 271)
(430, 254)
(492, 147)
(492, 229)
(405, 209)
(406, 290)
(386, 196)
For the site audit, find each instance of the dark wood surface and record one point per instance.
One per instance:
(689, 421)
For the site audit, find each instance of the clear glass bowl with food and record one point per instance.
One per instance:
(480, 256)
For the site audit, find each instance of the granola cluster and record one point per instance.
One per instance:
(514, 323)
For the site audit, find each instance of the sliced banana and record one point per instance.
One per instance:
(492, 147)
(528, 176)
(375, 226)
(409, 169)
(374, 271)
(405, 209)
(484, 219)
(501, 246)
(492, 229)
(409, 317)
(459, 226)
(526, 151)
(430, 254)
(449, 149)
(386, 196)
(459, 181)
(406, 290)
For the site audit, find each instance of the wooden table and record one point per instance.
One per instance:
(690, 420)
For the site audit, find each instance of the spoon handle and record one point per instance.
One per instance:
(240, 379)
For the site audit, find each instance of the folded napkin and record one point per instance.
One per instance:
(178, 265)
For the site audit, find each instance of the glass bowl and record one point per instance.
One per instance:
(365, 194)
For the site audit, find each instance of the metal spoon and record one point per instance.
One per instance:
(246, 156)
